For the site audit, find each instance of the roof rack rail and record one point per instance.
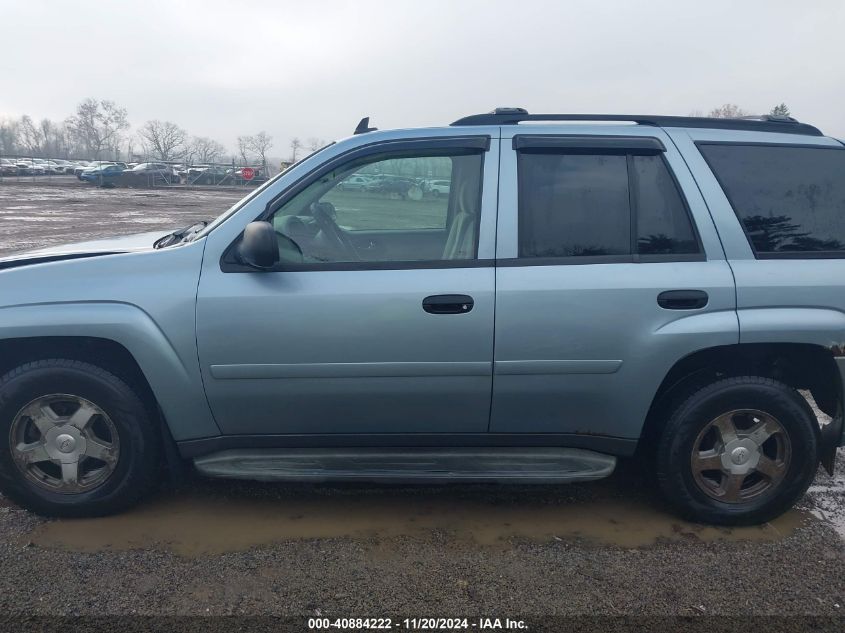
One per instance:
(762, 123)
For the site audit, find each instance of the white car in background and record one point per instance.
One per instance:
(354, 183)
(439, 187)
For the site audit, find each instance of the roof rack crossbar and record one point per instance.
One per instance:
(764, 123)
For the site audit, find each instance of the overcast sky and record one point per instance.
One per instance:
(312, 69)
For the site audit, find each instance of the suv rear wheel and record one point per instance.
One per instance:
(739, 451)
(75, 440)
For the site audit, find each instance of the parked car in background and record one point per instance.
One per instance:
(214, 175)
(396, 186)
(29, 167)
(104, 176)
(68, 165)
(54, 167)
(91, 165)
(354, 183)
(8, 167)
(149, 175)
(439, 187)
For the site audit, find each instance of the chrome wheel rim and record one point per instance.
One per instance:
(64, 443)
(740, 456)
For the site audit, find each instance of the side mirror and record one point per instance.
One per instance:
(258, 247)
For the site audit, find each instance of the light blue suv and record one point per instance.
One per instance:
(590, 287)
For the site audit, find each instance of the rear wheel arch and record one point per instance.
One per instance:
(801, 366)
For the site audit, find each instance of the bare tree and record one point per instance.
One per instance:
(163, 139)
(244, 148)
(260, 144)
(30, 137)
(9, 136)
(295, 146)
(780, 110)
(315, 143)
(728, 111)
(53, 138)
(206, 149)
(97, 126)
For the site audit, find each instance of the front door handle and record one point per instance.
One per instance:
(682, 299)
(448, 304)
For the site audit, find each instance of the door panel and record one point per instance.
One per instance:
(346, 351)
(344, 345)
(580, 346)
(583, 349)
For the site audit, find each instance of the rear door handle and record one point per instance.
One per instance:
(448, 304)
(682, 299)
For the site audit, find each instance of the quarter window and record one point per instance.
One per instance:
(789, 199)
(580, 204)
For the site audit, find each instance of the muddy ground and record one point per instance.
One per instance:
(217, 547)
(33, 216)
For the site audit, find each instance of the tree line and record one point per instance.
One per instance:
(99, 129)
(733, 111)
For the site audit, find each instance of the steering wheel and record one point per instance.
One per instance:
(323, 213)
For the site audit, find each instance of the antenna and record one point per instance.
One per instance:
(364, 126)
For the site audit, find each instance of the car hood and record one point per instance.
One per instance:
(111, 246)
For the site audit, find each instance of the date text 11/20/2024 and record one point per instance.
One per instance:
(416, 624)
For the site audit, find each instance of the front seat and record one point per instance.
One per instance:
(460, 243)
(461, 239)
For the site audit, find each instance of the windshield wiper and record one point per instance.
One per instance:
(181, 235)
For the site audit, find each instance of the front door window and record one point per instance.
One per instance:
(385, 208)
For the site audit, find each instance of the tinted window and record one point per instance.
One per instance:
(789, 199)
(581, 205)
(383, 209)
(571, 205)
(663, 223)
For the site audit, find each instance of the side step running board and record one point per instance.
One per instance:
(507, 465)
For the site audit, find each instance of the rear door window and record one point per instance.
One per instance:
(596, 205)
(790, 200)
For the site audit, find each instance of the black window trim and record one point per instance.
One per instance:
(612, 144)
(779, 254)
(632, 258)
(469, 144)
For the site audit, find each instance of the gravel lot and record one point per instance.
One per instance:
(216, 547)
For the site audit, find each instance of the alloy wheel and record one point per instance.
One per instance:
(64, 443)
(740, 455)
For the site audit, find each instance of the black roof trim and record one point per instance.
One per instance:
(765, 123)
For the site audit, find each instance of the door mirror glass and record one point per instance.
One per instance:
(259, 248)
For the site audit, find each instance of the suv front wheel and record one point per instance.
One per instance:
(75, 440)
(740, 451)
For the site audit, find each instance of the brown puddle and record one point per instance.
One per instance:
(194, 523)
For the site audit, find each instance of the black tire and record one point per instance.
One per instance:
(678, 439)
(137, 468)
